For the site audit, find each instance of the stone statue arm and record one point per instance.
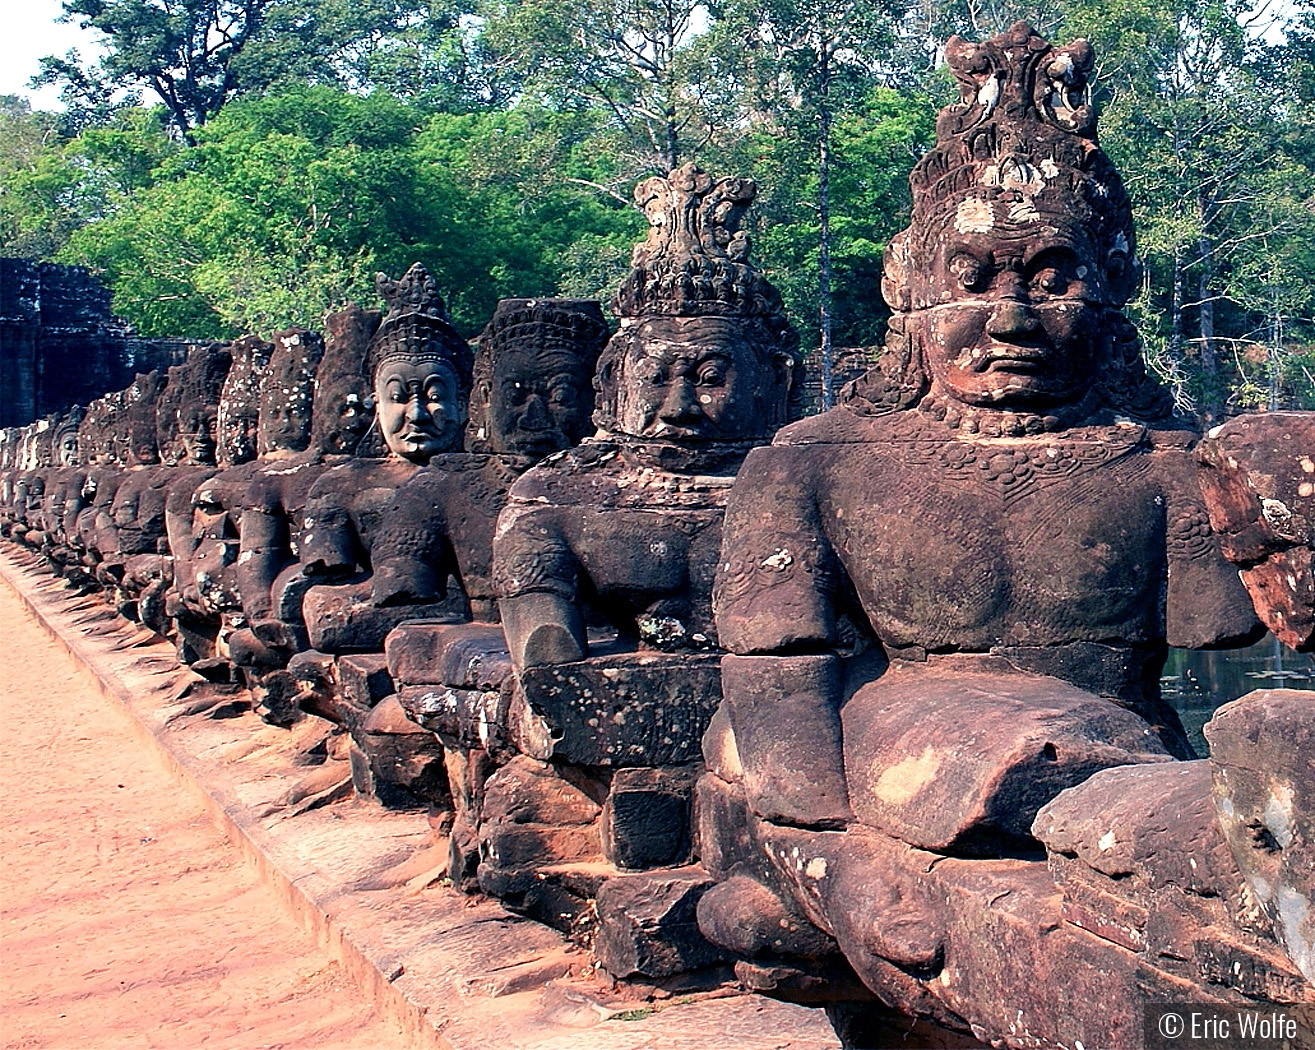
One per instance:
(1206, 605)
(775, 611)
(329, 544)
(263, 549)
(75, 501)
(536, 578)
(179, 515)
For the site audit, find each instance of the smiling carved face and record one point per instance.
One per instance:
(419, 407)
(1012, 317)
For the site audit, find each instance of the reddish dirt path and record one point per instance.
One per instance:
(127, 920)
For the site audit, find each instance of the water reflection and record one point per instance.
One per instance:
(1198, 682)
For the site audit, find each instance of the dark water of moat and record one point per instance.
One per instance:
(1198, 682)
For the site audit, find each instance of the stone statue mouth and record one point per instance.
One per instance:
(1023, 358)
(415, 434)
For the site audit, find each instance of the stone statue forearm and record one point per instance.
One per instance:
(785, 712)
(543, 628)
(259, 560)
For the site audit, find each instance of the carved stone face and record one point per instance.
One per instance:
(237, 436)
(343, 420)
(694, 379)
(66, 451)
(538, 404)
(1011, 318)
(196, 430)
(285, 422)
(420, 408)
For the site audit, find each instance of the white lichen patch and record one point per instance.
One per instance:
(816, 868)
(1023, 211)
(974, 216)
(1278, 814)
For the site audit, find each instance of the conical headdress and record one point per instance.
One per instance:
(416, 325)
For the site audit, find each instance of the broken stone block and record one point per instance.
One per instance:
(961, 761)
(467, 655)
(561, 897)
(1257, 476)
(721, 826)
(630, 709)
(1262, 755)
(1134, 843)
(1152, 822)
(467, 718)
(363, 680)
(400, 756)
(533, 816)
(528, 792)
(720, 754)
(344, 618)
(747, 918)
(647, 924)
(467, 772)
(646, 818)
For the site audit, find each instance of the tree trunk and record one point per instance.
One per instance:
(824, 232)
(673, 140)
(1210, 405)
(1176, 310)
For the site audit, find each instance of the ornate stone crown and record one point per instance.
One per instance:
(1020, 146)
(416, 325)
(694, 262)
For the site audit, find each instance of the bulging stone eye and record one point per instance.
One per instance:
(1051, 280)
(970, 272)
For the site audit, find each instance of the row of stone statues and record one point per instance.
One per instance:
(872, 711)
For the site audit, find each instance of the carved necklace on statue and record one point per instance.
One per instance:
(984, 446)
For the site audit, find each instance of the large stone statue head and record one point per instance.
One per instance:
(1008, 284)
(344, 402)
(140, 401)
(287, 392)
(421, 369)
(8, 447)
(41, 445)
(198, 383)
(65, 438)
(96, 435)
(533, 379)
(705, 353)
(238, 415)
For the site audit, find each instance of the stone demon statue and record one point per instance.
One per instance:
(948, 599)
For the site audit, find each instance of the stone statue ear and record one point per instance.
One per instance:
(1122, 275)
(896, 273)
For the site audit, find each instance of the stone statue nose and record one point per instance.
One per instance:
(1012, 317)
(680, 402)
(535, 416)
(416, 410)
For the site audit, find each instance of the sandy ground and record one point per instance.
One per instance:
(127, 920)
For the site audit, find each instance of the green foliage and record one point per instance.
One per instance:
(289, 203)
(313, 142)
(36, 182)
(874, 145)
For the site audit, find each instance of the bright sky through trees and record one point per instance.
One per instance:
(31, 31)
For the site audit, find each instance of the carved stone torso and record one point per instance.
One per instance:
(346, 510)
(614, 528)
(440, 525)
(1092, 535)
(138, 511)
